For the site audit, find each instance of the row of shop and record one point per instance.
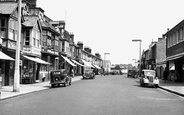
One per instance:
(34, 69)
(167, 55)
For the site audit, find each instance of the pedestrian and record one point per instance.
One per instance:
(71, 72)
(165, 75)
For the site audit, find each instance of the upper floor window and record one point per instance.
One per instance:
(34, 41)
(56, 42)
(12, 29)
(2, 28)
(44, 40)
(27, 37)
(38, 43)
(49, 42)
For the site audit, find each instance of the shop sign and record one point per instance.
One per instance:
(4, 43)
(49, 51)
(26, 50)
(32, 50)
(56, 53)
(20, 62)
(11, 44)
(36, 51)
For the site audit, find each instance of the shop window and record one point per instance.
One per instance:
(27, 37)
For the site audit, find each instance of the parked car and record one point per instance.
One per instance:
(132, 73)
(148, 77)
(89, 74)
(58, 77)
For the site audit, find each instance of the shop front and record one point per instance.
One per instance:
(31, 69)
(79, 66)
(6, 69)
(175, 65)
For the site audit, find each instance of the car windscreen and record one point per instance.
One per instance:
(149, 73)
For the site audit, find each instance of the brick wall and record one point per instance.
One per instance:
(161, 50)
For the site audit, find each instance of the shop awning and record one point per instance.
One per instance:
(96, 66)
(88, 64)
(37, 60)
(173, 58)
(3, 56)
(66, 59)
(77, 63)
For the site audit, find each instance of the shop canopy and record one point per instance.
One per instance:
(96, 66)
(77, 63)
(87, 64)
(173, 58)
(3, 56)
(66, 59)
(37, 60)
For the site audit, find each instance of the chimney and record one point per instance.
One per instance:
(87, 49)
(32, 3)
(62, 24)
(98, 55)
(72, 37)
(80, 44)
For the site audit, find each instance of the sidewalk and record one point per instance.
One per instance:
(176, 88)
(7, 91)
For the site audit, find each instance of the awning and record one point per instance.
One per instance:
(96, 66)
(3, 56)
(173, 58)
(88, 64)
(66, 59)
(77, 63)
(37, 60)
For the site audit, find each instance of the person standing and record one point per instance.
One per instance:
(71, 72)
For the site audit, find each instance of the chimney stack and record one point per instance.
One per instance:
(80, 44)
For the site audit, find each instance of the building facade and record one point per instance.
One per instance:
(175, 53)
(160, 57)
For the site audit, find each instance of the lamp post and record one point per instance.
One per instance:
(134, 61)
(105, 58)
(17, 56)
(139, 40)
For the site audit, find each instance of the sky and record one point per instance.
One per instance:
(109, 26)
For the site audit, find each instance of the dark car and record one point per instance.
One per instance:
(58, 77)
(132, 73)
(89, 74)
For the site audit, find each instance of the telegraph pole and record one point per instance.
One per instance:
(17, 58)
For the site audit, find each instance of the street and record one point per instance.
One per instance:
(104, 95)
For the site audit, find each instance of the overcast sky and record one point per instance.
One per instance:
(108, 26)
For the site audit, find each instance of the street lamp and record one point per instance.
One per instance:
(17, 56)
(134, 61)
(105, 58)
(139, 40)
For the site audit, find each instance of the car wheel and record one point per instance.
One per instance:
(52, 85)
(65, 84)
(156, 86)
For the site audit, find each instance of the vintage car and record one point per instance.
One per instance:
(89, 74)
(58, 77)
(148, 77)
(132, 73)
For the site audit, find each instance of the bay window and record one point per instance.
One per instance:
(2, 28)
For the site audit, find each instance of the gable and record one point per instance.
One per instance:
(37, 26)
